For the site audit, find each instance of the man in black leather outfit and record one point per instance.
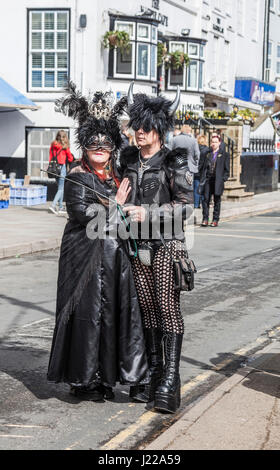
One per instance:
(161, 194)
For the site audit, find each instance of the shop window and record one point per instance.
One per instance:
(48, 49)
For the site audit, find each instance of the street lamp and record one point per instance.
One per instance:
(235, 109)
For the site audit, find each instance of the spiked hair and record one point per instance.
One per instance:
(95, 115)
(151, 113)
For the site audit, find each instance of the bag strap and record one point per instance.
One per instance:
(57, 153)
(166, 248)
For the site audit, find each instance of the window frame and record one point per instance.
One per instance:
(138, 76)
(199, 58)
(43, 51)
(28, 129)
(135, 41)
(125, 75)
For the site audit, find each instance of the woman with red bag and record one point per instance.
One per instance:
(60, 150)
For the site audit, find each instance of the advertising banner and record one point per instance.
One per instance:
(255, 92)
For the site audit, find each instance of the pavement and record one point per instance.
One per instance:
(243, 412)
(25, 230)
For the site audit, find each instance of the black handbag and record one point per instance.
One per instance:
(54, 168)
(184, 270)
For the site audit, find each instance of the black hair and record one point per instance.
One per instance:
(151, 113)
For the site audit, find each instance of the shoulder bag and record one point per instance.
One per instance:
(54, 167)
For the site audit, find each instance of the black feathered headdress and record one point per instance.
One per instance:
(151, 113)
(96, 115)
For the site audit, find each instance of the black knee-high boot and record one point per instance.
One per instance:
(168, 394)
(145, 393)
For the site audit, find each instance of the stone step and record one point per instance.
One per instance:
(234, 187)
(238, 196)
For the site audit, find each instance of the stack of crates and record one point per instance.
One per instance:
(4, 196)
(29, 195)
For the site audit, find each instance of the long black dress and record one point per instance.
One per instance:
(98, 322)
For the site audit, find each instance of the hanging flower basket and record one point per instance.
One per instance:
(161, 53)
(178, 59)
(175, 60)
(116, 39)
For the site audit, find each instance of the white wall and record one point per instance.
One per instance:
(237, 51)
(266, 130)
(274, 37)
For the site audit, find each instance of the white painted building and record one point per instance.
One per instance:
(51, 40)
(234, 30)
(272, 50)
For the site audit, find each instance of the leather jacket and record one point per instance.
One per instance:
(166, 188)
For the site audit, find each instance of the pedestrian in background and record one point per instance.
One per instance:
(198, 177)
(125, 136)
(219, 134)
(185, 140)
(217, 171)
(60, 150)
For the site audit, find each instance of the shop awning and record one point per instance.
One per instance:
(11, 99)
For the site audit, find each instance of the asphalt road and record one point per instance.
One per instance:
(233, 311)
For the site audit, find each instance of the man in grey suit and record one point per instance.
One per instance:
(187, 141)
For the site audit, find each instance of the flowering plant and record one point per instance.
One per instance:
(118, 39)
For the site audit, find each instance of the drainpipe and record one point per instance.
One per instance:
(266, 36)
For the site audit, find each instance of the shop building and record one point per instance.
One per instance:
(56, 40)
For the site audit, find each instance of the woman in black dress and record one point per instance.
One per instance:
(98, 337)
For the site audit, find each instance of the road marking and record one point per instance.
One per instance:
(203, 270)
(16, 435)
(33, 336)
(34, 322)
(236, 236)
(248, 223)
(266, 251)
(269, 216)
(73, 445)
(242, 230)
(147, 417)
(23, 426)
(116, 416)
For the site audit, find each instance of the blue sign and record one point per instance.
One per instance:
(255, 92)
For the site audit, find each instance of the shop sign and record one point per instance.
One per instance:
(218, 28)
(192, 107)
(255, 92)
(163, 19)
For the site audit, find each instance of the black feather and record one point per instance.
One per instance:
(95, 114)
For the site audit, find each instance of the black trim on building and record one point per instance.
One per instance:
(136, 20)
